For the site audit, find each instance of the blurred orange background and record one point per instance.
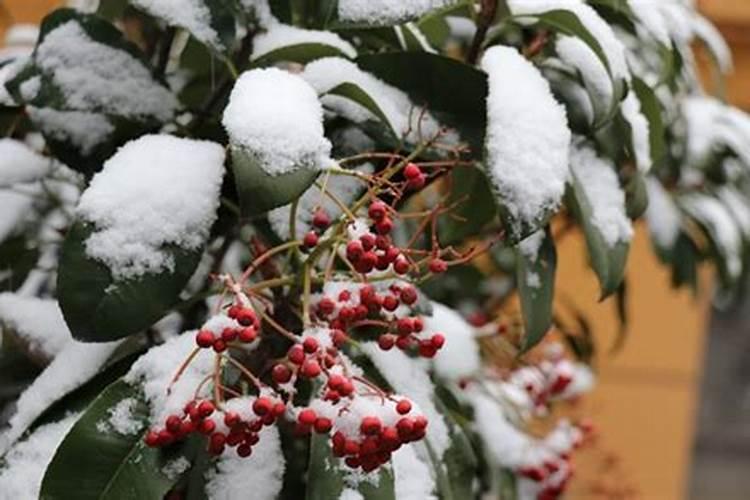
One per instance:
(644, 404)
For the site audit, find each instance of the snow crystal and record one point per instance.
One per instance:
(25, 464)
(662, 216)
(193, 15)
(95, 77)
(73, 366)
(575, 53)
(631, 111)
(175, 468)
(130, 241)
(603, 193)
(386, 11)
(38, 322)
(719, 222)
(276, 117)
(261, 473)
(156, 369)
(459, 357)
(403, 117)
(408, 377)
(598, 27)
(413, 477)
(283, 35)
(527, 136)
(19, 163)
(83, 129)
(345, 188)
(121, 417)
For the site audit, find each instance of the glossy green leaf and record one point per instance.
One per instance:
(474, 205)
(301, 53)
(259, 191)
(636, 196)
(453, 91)
(18, 256)
(651, 109)
(98, 308)
(357, 94)
(95, 462)
(535, 278)
(327, 478)
(608, 262)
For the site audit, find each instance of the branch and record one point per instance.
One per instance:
(486, 16)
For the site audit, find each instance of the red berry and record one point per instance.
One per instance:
(151, 439)
(404, 342)
(234, 311)
(248, 334)
(391, 441)
(377, 210)
(229, 334)
(326, 306)
(346, 388)
(338, 337)
(231, 419)
(412, 171)
(244, 450)
(296, 354)
(351, 447)
(173, 423)
(307, 417)
(438, 266)
(310, 345)
(310, 240)
(401, 265)
(404, 326)
(218, 440)
(420, 423)
(220, 345)
(384, 226)
(386, 341)
(437, 340)
(246, 317)
(417, 324)
(405, 427)
(370, 426)
(390, 303)
(367, 262)
(206, 408)
(392, 253)
(311, 368)
(426, 349)
(382, 242)
(368, 241)
(354, 250)
(281, 374)
(403, 407)
(204, 338)
(262, 406)
(335, 381)
(417, 182)
(165, 438)
(207, 426)
(279, 409)
(321, 220)
(408, 295)
(323, 425)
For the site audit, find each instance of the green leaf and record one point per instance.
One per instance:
(17, 371)
(453, 91)
(61, 121)
(651, 109)
(260, 191)
(636, 196)
(301, 53)
(99, 309)
(357, 94)
(17, 258)
(607, 261)
(685, 259)
(535, 277)
(95, 462)
(470, 190)
(327, 478)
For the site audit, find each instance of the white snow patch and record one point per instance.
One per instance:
(413, 477)
(575, 53)
(603, 193)
(386, 11)
(662, 215)
(193, 15)
(527, 136)
(26, 462)
(459, 357)
(37, 322)
(83, 129)
(129, 241)
(260, 474)
(283, 35)
(19, 163)
(276, 117)
(350, 494)
(121, 417)
(175, 468)
(631, 111)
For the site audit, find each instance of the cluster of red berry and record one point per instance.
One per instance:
(545, 381)
(244, 329)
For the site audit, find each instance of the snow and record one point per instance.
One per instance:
(283, 35)
(461, 28)
(409, 378)
(381, 12)
(575, 53)
(505, 444)
(413, 477)
(261, 11)
(16, 205)
(720, 224)
(83, 129)
(715, 42)
(95, 77)
(22, 35)
(403, 117)
(155, 370)
(19, 163)
(344, 187)
(25, 464)
(8, 71)
(87, 6)
(530, 245)
(193, 15)
(121, 417)
(712, 124)
(261, 473)
(459, 357)
(631, 111)
(130, 241)
(651, 18)
(662, 215)
(176, 467)
(613, 49)
(73, 366)
(275, 116)
(737, 204)
(37, 322)
(527, 136)
(350, 494)
(602, 191)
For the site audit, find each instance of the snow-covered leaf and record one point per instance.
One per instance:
(123, 466)
(283, 42)
(527, 142)
(386, 12)
(651, 109)
(121, 270)
(89, 90)
(536, 266)
(598, 202)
